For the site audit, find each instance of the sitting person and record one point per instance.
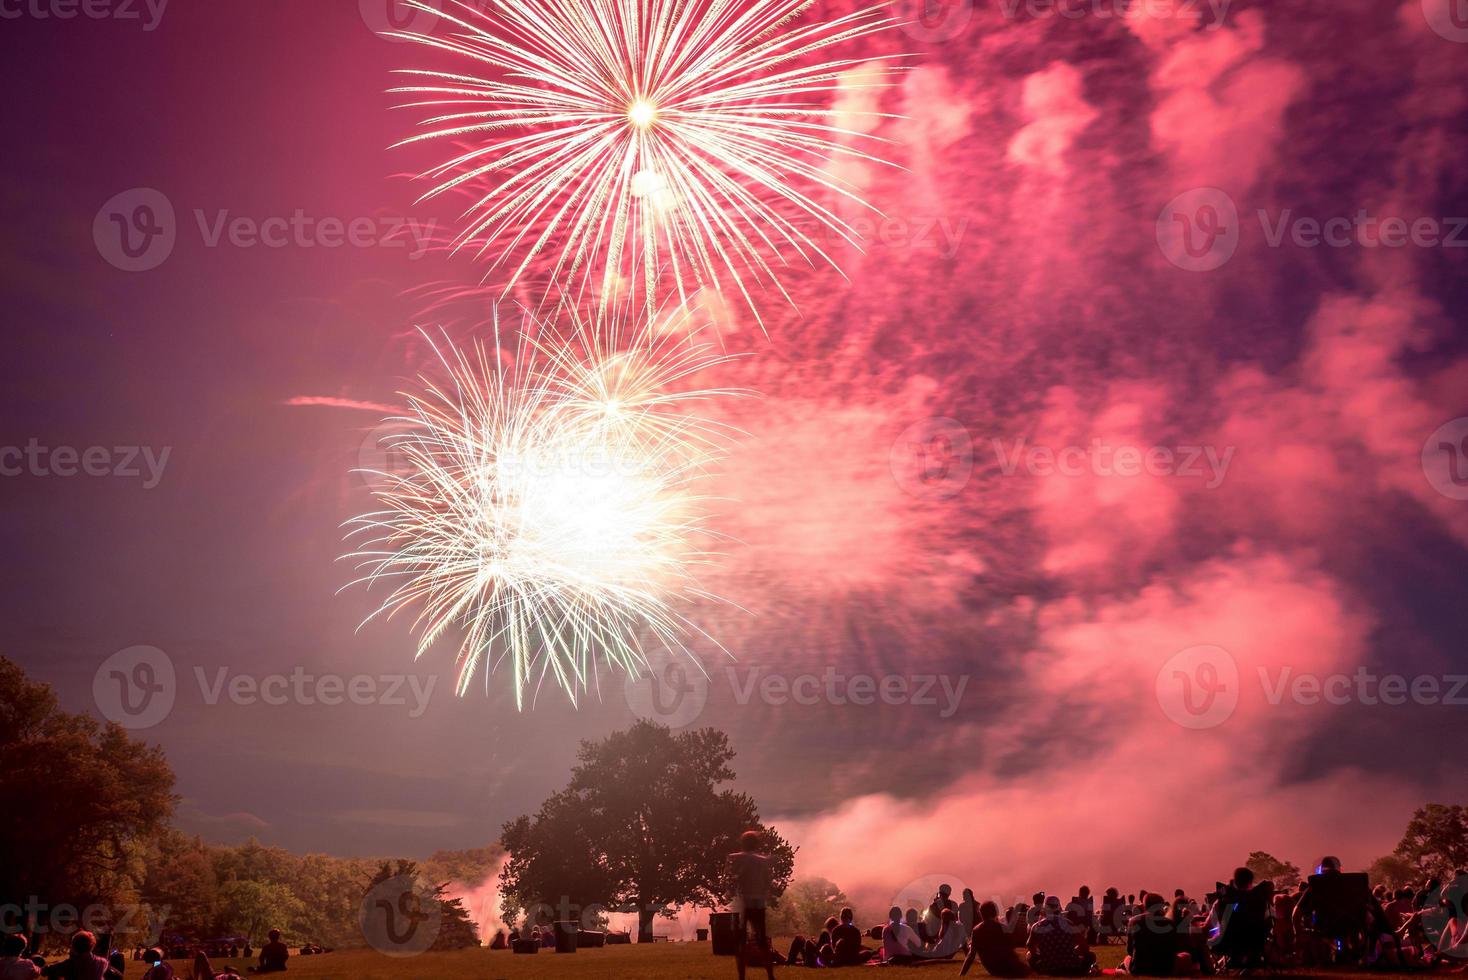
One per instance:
(992, 946)
(1152, 945)
(81, 964)
(203, 970)
(499, 940)
(900, 942)
(158, 968)
(1333, 915)
(1240, 921)
(273, 954)
(813, 950)
(949, 941)
(13, 962)
(1057, 948)
(846, 946)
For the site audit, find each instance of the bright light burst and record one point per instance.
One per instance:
(547, 503)
(644, 138)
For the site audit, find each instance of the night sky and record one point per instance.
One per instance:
(918, 493)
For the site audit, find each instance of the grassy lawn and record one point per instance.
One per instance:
(656, 961)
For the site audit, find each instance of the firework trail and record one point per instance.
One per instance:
(660, 141)
(548, 503)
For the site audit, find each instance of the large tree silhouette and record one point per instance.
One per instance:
(643, 826)
(84, 799)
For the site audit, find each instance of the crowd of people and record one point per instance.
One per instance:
(17, 962)
(1331, 919)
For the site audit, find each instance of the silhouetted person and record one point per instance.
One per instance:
(992, 946)
(81, 964)
(13, 962)
(900, 941)
(749, 875)
(273, 954)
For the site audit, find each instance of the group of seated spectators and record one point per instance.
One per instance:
(1333, 918)
(83, 963)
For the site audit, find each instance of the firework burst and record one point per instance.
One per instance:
(664, 142)
(547, 504)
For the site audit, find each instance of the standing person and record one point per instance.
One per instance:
(273, 954)
(968, 912)
(749, 878)
(81, 964)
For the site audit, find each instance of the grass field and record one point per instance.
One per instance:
(652, 961)
(656, 961)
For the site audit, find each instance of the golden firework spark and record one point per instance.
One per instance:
(651, 140)
(548, 502)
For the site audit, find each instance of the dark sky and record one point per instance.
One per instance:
(1023, 285)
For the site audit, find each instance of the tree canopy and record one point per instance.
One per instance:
(644, 825)
(1436, 840)
(1266, 866)
(85, 799)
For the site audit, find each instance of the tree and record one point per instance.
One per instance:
(253, 908)
(180, 884)
(1394, 872)
(805, 907)
(455, 928)
(1436, 840)
(91, 799)
(643, 825)
(1268, 867)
